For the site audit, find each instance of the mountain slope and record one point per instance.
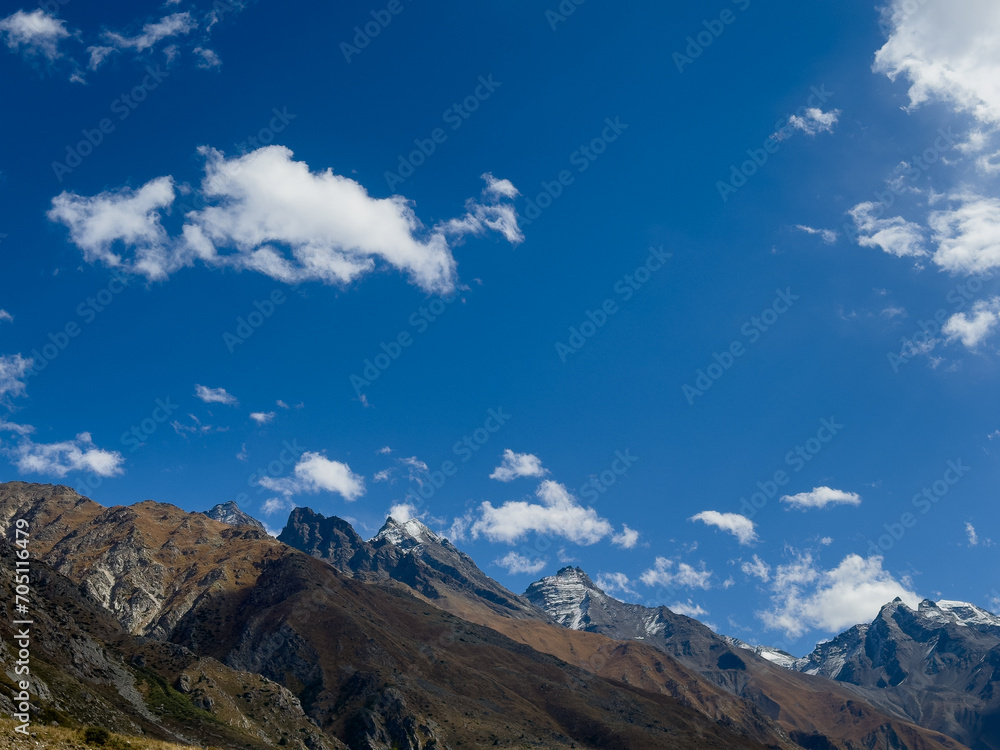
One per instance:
(816, 712)
(409, 553)
(939, 664)
(368, 664)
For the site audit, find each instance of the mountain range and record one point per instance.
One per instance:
(202, 628)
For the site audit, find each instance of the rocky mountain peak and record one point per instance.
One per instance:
(230, 513)
(405, 534)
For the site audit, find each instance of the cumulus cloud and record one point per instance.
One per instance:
(627, 538)
(516, 465)
(262, 417)
(516, 564)
(820, 497)
(59, 459)
(814, 120)
(973, 327)
(558, 514)
(13, 368)
(806, 597)
(270, 214)
(827, 235)
(34, 33)
(757, 568)
(667, 573)
(947, 50)
(895, 236)
(733, 523)
(215, 395)
(968, 236)
(313, 473)
(611, 582)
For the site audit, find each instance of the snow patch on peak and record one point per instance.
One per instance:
(565, 596)
(406, 534)
(960, 613)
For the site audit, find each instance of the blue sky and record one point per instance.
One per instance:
(569, 282)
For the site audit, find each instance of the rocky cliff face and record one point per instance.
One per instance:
(938, 664)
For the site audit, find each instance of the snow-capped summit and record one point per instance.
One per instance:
(565, 596)
(960, 613)
(774, 655)
(405, 534)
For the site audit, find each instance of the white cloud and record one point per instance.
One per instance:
(558, 515)
(820, 497)
(276, 505)
(973, 327)
(815, 120)
(126, 217)
(970, 531)
(968, 237)
(13, 368)
(382, 476)
(627, 539)
(262, 417)
(417, 468)
(59, 459)
(403, 512)
(215, 395)
(610, 582)
(315, 472)
(515, 564)
(207, 59)
(739, 526)
(172, 25)
(516, 465)
(6, 317)
(36, 33)
(384, 450)
(261, 204)
(19, 429)
(827, 235)
(807, 597)
(757, 568)
(663, 573)
(895, 236)
(947, 49)
(689, 608)
(196, 427)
